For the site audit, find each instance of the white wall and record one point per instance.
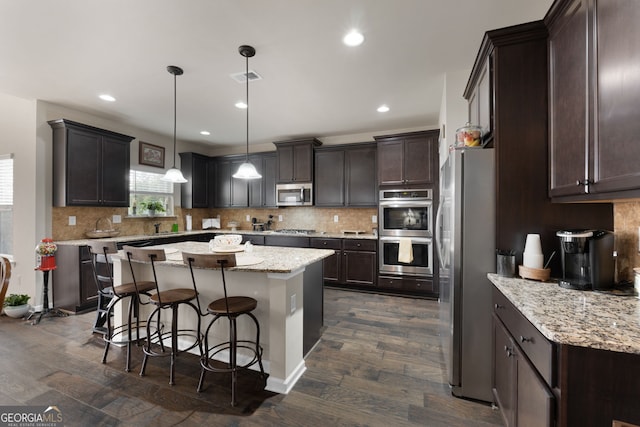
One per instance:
(454, 109)
(18, 124)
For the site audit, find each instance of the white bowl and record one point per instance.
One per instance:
(227, 240)
(17, 311)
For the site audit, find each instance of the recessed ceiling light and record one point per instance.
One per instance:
(383, 109)
(106, 97)
(241, 104)
(353, 38)
(205, 132)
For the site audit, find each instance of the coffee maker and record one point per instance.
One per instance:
(587, 259)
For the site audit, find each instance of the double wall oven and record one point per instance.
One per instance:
(406, 214)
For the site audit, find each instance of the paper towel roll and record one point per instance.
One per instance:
(189, 222)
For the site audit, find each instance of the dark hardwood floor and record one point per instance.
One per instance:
(379, 363)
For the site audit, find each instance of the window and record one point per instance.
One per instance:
(6, 203)
(147, 187)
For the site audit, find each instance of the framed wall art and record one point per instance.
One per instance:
(151, 155)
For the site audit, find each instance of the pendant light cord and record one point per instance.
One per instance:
(175, 115)
(246, 75)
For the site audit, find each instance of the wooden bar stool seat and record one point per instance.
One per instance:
(170, 299)
(109, 296)
(229, 307)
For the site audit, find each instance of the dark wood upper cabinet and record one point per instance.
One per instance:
(408, 159)
(593, 48)
(295, 160)
(195, 192)
(262, 192)
(329, 177)
(345, 175)
(90, 165)
(222, 181)
(360, 175)
(519, 87)
(481, 102)
(231, 192)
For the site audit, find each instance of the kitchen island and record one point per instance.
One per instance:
(280, 279)
(564, 357)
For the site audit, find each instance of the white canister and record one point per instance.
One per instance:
(533, 245)
(531, 260)
(189, 222)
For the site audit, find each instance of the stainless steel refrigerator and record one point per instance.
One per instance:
(465, 241)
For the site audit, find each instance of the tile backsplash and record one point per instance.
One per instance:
(319, 219)
(626, 220)
(626, 223)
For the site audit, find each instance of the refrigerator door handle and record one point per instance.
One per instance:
(438, 233)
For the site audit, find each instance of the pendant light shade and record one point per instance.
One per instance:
(174, 174)
(247, 170)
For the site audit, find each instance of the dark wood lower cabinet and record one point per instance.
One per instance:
(413, 285)
(354, 263)
(537, 382)
(73, 284)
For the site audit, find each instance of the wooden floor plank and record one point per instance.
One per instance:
(379, 363)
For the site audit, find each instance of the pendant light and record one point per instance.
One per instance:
(247, 170)
(174, 174)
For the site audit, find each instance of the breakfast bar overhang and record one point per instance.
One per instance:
(283, 280)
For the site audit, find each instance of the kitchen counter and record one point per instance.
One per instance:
(578, 318)
(196, 233)
(271, 259)
(286, 282)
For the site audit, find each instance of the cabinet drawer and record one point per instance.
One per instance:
(360, 245)
(326, 243)
(419, 285)
(390, 282)
(533, 344)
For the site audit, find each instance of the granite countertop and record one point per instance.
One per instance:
(82, 242)
(261, 259)
(578, 318)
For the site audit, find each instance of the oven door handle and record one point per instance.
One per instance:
(392, 239)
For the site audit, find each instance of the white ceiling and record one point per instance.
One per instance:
(68, 52)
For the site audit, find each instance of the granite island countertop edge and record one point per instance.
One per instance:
(276, 259)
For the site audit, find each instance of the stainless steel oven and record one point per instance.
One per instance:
(406, 213)
(421, 265)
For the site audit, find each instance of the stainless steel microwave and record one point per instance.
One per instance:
(294, 194)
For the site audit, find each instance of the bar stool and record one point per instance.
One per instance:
(230, 308)
(109, 296)
(170, 299)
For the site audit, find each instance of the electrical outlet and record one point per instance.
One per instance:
(72, 220)
(280, 218)
(335, 218)
(248, 218)
(117, 219)
(374, 219)
(293, 303)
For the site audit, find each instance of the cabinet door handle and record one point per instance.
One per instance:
(497, 306)
(586, 183)
(525, 339)
(508, 350)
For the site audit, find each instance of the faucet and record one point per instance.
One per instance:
(157, 226)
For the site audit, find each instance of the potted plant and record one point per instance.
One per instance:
(16, 305)
(153, 207)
